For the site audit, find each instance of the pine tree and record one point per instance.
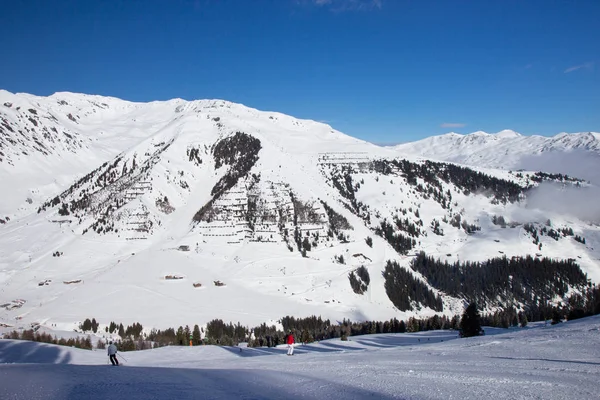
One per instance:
(471, 321)
(87, 325)
(196, 335)
(455, 322)
(402, 327)
(180, 336)
(524, 321)
(186, 334)
(556, 317)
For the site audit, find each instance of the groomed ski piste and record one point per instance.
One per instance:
(537, 362)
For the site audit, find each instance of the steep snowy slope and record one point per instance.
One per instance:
(177, 212)
(504, 149)
(47, 142)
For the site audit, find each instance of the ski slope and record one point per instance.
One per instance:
(537, 362)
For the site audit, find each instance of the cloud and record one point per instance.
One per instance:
(348, 5)
(581, 202)
(452, 125)
(582, 164)
(587, 65)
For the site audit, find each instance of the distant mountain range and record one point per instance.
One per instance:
(178, 212)
(504, 149)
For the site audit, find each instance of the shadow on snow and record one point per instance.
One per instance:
(370, 341)
(21, 351)
(548, 359)
(133, 383)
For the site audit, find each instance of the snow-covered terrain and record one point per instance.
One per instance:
(537, 362)
(505, 149)
(173, 213)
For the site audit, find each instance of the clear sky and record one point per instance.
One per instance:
(387, 71)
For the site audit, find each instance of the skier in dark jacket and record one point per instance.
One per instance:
(112, 354)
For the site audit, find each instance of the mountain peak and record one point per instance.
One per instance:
(479, 133)
(507, 133)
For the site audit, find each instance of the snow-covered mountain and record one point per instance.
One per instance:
(178, 212)
(504, 149)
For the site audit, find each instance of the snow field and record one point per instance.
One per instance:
(545, 362)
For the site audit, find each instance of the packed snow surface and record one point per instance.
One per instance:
(537, 362)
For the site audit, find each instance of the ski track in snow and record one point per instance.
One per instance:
(538, 362)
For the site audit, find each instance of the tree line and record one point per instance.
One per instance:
(42, 337)
(466, 179)
(501, 281)
(403, 289)
(313, 328)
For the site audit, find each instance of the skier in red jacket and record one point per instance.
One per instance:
(290, 343)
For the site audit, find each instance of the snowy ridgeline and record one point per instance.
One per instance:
(541, 362)
(508, 149)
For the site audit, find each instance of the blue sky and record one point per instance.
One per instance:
(387, 71)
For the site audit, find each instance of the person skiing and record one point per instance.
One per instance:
(112, 353)
(290, 343)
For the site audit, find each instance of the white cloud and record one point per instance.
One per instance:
(587, 65)
(580, 164)
(452, 125)
(581, 202)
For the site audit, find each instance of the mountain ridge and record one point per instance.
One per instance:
(504, 149)
(221, 211)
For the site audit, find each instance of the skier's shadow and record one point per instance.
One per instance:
(311, 349)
